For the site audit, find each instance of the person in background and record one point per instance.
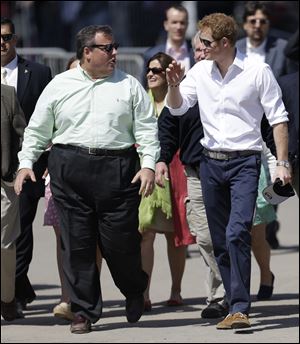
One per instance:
(233, 93)
(94, 115)
(184, 133)
(29, 79)
(12, 127)
(176, 45)
(289, 85)
(264, 214)
(258, 43)
(164, 211)
(260, 46)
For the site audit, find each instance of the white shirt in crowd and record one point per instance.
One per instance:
(256, 53)
(182, 55)
(12, 73)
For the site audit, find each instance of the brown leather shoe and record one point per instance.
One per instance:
(9, 310)
(240, 320)
(225, 324)
(80, 325)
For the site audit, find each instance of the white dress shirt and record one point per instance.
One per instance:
(231, 109)
(182, 55)
(12, 73)
(256, 53)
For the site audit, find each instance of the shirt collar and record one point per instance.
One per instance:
(259, 50)
(85, 75)
(238, 61)
(13, 64)
(169, 49)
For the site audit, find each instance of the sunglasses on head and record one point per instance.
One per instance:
(260, 21)
(154, 70)
(106, 47)
(206, 42)
(7, 37)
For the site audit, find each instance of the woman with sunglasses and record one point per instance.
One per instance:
(164, 211)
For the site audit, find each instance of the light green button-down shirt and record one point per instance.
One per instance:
(110, 113)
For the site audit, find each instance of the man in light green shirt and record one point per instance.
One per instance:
(95, 115)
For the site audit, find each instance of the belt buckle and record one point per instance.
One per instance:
(92, 151)
(222, 156)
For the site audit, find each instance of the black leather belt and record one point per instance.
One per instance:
(97, 151)
(228, 155)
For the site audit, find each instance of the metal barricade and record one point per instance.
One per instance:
(130, 60)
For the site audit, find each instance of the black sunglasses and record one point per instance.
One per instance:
(206, 42)
(261, 21)
(154, 70)
(7, 37)
(106, 47)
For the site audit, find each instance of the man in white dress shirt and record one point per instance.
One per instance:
(94, 115)
(232, 93)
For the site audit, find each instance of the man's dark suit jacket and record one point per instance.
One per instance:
(32, 79)
(162, 48)
(289, 85)
(275, 56)
(12, 127)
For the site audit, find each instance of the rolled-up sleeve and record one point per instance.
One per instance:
(271, 97)
(189, 95)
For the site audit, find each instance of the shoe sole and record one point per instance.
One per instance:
(62, 316)
(224, 328)
(80, 331)
(238, 325)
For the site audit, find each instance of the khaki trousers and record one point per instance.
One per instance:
(197, 220)
(10, 229)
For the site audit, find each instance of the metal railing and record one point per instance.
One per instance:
(130, 60)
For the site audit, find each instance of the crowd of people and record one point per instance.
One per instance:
(187, 154)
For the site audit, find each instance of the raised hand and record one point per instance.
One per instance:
(174, 73)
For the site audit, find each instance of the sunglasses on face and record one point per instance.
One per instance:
(154, 70)
(206, 42)
(106, 47)
(260, 21)
(7, 37)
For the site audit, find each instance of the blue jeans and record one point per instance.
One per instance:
(230, 190)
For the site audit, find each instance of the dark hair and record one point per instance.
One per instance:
(179, 8)
(163, 59)
(7, 21)
(86, 37)
(252, 6)
(70, 61)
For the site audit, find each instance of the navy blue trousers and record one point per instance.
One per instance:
(230, 191)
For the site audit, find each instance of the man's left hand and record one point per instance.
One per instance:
(146, 176)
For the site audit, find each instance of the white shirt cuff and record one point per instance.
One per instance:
(148, 162)
(25, 164)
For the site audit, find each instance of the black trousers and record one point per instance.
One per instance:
(29, 199)
(97, 203)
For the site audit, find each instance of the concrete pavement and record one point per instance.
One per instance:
(274, 321)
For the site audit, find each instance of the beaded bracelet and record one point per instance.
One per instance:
(173, 85)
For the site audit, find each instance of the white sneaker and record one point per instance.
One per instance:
(63, 310)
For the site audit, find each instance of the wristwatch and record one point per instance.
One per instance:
(284, 163)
